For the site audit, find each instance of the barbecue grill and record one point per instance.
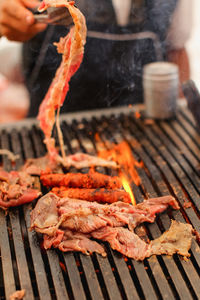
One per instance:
(170, 152)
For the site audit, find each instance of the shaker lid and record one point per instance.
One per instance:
(160, 68)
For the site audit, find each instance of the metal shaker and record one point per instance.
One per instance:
(161, 89)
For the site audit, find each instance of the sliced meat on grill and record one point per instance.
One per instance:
(52, 212)
(44, 216)
(161, 201)
(79, 180)
(47, 164)
(71, 241)
(35, 166)
(68, 224)
(16, 189)
(175, 240)
(26, 196)
(82, 160)
(118, 214)
(124, 241)
(99, 195)
(14, 177)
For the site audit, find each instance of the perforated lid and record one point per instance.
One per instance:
(160, 68)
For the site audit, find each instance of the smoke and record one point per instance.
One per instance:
(111, 69)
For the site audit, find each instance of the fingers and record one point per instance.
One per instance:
(17, 12)
(17, 23)
(18, 36)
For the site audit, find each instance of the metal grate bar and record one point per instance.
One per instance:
(173, 167)
(19, 143)
(8, 275)
(169, 152)
(178, 215)
(119, 264)
(122, 267)
(111, 285)
(23, 272)
(74, 276)
(159, 276)
(189, 129)
(171, 268)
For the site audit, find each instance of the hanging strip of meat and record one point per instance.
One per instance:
(72, 49)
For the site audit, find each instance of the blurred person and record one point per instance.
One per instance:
(123, 36)
(14, 97)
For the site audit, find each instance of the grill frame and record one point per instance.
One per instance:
(169, 151)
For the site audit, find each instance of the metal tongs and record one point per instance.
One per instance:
(54, 16)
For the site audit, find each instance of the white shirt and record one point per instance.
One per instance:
(181, 22)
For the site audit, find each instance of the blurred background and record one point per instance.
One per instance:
(14, 99)
(193, 45)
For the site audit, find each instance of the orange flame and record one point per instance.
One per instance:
(127, 187)
(122, 154)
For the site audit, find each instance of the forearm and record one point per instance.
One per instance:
(180, 58)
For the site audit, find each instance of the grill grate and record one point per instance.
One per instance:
(170, 153)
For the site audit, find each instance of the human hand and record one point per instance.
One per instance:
(17, 22)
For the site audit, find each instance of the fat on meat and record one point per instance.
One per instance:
(45, 216)
(83, 160)
(177, 239)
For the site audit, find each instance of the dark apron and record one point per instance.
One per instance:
(111, 71)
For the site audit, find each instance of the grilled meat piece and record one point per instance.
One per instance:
(47, 164)
(99, 195)
(82, 160)
(175, 240)
(52, 213)
(124, 241)
(69, 241)
(69, 225)
(35, 166)
(16, 189)
(79, 180)
(72, 48)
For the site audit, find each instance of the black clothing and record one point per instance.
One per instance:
(111, 71)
